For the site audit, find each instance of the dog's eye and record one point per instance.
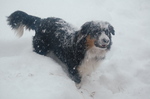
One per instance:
(106, 32)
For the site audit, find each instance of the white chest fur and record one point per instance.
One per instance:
(91, 61)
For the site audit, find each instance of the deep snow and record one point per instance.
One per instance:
(124, 74)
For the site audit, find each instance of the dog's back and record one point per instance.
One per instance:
(50, 33)
(18, 20)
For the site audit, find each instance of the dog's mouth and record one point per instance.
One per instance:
(101, 45)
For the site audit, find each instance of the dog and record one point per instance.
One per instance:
(80, 50)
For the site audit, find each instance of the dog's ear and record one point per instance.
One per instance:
(111, 28)
(86, 28)
(84, 31)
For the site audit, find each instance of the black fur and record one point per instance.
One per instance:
(57, 36)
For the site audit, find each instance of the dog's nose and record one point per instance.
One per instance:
(105, 40)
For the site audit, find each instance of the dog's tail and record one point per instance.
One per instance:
(18, 20)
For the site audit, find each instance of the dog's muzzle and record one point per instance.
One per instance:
(102, 43)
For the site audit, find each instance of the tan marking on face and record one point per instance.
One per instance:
(89, 42)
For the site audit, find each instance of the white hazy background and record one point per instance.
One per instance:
(124, 74)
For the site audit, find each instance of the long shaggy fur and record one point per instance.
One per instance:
(80, 50)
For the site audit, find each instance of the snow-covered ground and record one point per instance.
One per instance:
(125, 73)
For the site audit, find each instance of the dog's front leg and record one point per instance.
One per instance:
(75, 76)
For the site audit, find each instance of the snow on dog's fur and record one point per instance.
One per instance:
(80, 50)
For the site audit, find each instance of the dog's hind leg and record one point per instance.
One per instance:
(41, 45)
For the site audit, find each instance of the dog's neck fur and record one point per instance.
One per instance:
(93, 57)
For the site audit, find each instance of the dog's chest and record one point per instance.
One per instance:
(91, 61)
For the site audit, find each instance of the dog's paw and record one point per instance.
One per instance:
(76, 78)
(78, 85)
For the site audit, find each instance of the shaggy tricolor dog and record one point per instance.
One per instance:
(80, 50)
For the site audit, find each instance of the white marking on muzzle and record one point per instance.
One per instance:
(104, 39)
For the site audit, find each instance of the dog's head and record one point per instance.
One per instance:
(97, 34)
